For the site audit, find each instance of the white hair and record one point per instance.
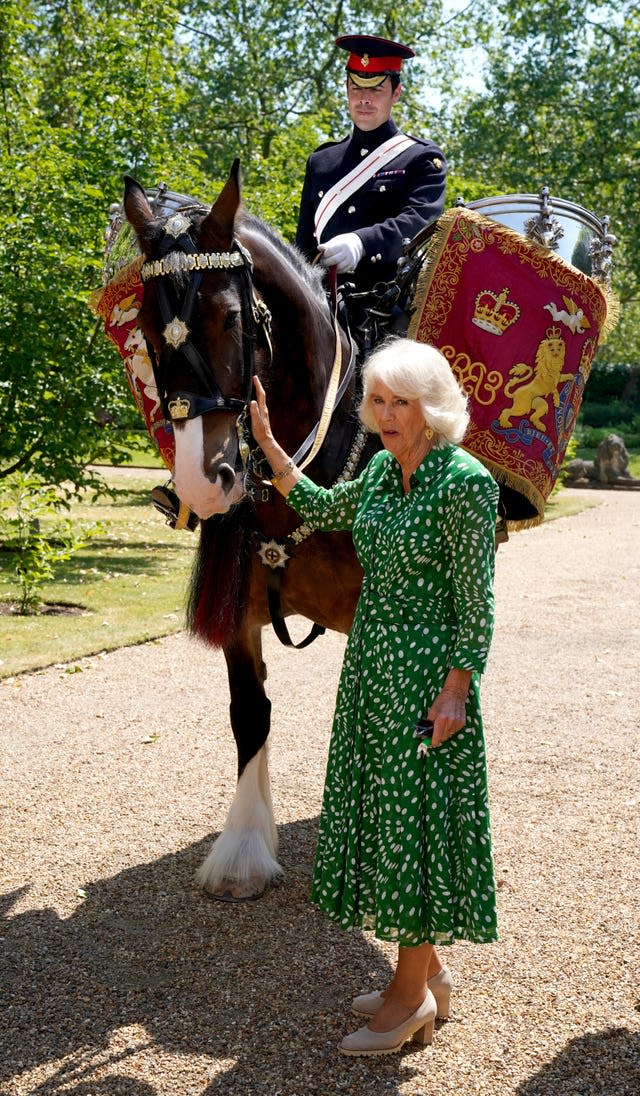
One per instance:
(416, 371)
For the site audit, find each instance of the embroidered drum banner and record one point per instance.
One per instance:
(118, 304)
(520, 327)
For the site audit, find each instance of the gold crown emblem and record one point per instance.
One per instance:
(179, 408)
(554, 333)
(365, 59)
(494, 312)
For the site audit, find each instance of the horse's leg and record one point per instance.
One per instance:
(242, 861)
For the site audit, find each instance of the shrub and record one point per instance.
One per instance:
(615, 412)
(26, 506)
(613, 385)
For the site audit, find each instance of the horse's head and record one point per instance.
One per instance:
(199, 317)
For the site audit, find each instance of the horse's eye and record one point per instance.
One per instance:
(230, 320)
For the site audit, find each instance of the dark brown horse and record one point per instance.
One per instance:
(224, 298)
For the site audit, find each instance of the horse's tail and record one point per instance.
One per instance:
(219, 581)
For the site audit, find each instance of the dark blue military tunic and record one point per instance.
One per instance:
(392, 206)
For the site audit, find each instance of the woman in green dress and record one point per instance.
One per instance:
(404, 844)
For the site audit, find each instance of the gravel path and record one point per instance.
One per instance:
(119, 977)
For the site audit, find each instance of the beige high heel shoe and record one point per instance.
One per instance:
(367, 1004)
(418, 1027)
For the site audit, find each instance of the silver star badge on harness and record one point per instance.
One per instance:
(176, 332)
(177, 225)
(273, 554)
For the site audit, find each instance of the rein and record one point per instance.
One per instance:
(334, 394)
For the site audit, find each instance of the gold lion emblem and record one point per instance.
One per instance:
(529, 388)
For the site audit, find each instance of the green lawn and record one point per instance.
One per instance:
(131, 583)
(562, 505)
(144, 454)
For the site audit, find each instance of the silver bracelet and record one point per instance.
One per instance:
(284, 472)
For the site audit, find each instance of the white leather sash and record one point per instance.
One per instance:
(361, 173)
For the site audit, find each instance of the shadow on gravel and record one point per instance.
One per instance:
(259, 993)
(603, 1063)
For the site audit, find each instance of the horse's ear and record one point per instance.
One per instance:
(136, 206)
(216, 230)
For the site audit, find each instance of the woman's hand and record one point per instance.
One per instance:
(285, 473)
(260, 425)
(448, 713)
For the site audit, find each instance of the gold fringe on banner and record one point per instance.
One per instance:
(437, 244)
(102, 301)
(519, 484)
(440, 239)
(613, 310)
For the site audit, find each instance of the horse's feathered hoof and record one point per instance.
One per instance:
(236, 891)
(227, 896)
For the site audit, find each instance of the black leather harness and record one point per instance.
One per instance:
(178, 255)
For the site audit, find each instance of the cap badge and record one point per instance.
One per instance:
(365, 59)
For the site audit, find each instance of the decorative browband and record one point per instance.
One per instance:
(177, 261)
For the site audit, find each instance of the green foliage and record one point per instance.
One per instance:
(27, 529)
(560, 108)
(68, 130)
(273, 190)
(254, 69)
(589, 435)
(570, 453)
(90, 91)
(620, 382)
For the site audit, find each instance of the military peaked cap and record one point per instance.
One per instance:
(372, 59)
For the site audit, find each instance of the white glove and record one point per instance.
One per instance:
(343, 251)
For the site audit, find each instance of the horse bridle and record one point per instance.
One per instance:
(178, 255)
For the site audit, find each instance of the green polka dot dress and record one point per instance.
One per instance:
(404, 844)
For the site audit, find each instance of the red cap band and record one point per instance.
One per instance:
(367, 64)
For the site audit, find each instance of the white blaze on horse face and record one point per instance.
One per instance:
(202, 495)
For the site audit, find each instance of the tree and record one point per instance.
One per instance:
(92, 90)
(68, 131)
(560, 108)
(266, 82)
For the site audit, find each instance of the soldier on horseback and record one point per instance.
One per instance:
(364, 196)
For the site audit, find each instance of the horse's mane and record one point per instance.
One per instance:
(311, 275)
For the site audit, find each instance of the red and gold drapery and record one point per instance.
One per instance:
(118, 304)
(520, 328)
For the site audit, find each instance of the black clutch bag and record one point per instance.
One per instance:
(424, 729)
